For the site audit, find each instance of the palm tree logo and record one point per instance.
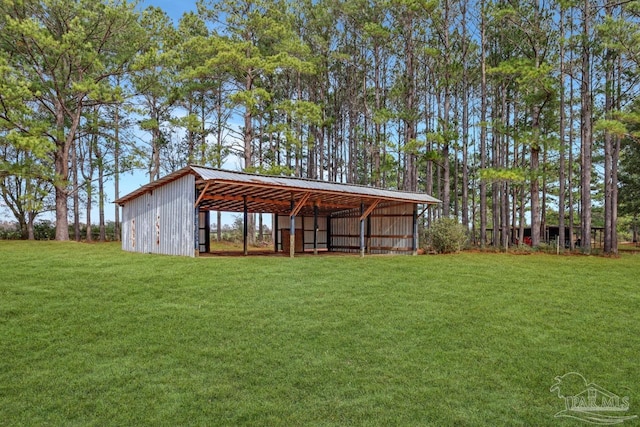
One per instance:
(588, 401)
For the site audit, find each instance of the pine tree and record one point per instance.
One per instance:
(63, 54)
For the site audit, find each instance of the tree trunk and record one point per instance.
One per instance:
(465, 158)
(76, 194)
(522, 203)
(411, 178)
(562, 119)
(88, 179)
(31, 219)
(570, 172)
(610, 152)
(465, 120)
(218, 159)
(615, 161)
(446, 178)
(61, 166)
(116, 171)
(248, 154)
(535, 170)
(154, 171)
(585, 133)
(88, 235)
(498, 116)
(377, 125)
(101, 195)
(483, 132)
(535, 196)
(62, 223)
(608, 148)
(504, 186)
(543, 201)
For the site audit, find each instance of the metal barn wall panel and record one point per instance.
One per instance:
(161, 221)
(345, 234)
(390, 230)
(283, 222)
(308, 232)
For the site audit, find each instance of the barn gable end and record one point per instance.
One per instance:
(161, 220)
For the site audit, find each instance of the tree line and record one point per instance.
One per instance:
(514, 113)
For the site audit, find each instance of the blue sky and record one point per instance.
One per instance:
(173, 8)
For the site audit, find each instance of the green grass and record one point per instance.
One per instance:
(628, 247)
(91, 335)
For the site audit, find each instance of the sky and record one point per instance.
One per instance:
(173, 8)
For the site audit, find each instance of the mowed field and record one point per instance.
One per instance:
(91, 335)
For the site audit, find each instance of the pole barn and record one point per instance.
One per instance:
(171, 215)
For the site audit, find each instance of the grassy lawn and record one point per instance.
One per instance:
(91, 335)
(628, 247)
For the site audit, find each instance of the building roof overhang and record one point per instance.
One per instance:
(223, 190)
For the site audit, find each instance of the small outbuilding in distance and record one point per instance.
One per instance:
(171, 215)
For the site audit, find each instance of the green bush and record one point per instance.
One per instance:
(446, 235)
(10, 234)
(545, 247)
(521, 249)
(44, 230)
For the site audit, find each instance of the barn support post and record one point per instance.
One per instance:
(302, 234)
(329, 238)
(414, 241)
(315, 229)
(245, 231)
(207, 231)
(368, 235)
(295, 209)
(275, 233)
(362, 218)
(364, 215)
(292, 231)
(196, 237)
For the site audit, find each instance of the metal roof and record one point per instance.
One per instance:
(229, 191)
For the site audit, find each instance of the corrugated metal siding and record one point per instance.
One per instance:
(391, 230)
(161, 221)
(345, 232)
(309, 232)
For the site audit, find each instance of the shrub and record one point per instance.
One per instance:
(10, 234)
(521, 249)
(44, 230)
(446, 235)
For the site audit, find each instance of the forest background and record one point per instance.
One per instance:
(515, 114)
